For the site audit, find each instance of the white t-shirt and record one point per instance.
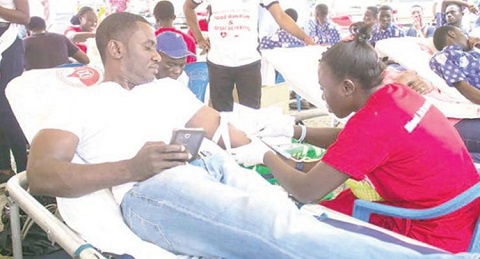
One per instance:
(113, 123)
(8, 4)
(233, 31)
(183, 79)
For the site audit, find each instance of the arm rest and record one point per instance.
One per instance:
(362, 209)
(57, 230)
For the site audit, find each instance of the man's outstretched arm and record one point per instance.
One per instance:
(209, 119)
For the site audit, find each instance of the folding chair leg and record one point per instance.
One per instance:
(16, 232)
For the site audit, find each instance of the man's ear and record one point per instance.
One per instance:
(115, 48)
(348, 87)
(451, 34)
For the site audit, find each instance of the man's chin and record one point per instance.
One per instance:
(148, 80)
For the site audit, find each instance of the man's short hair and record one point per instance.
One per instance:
(164, 10)
(36, 24)
(416, 5)
(118, 26)
(322, 8)
(385, 8)
(292, 13)
(373, 10)
(460, 7)
(440, 36)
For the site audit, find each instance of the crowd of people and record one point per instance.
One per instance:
(396, 142)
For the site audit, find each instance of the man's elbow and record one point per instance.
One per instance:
(35, 184)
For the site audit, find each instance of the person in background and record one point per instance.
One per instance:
(84, 24)
(46, 50)
(419, 28)
(397, 145)
(12, 53)
(321, 29)
(233, 58)
(454, 16)
(386, 28)
(371, 16)
(439, 9)
(281, 38)
(164, 13)
(174, 52)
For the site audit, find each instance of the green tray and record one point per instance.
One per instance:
(300, 152)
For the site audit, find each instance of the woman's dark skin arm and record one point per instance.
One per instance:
(320, 137)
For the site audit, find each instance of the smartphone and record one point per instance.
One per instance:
(190, 138)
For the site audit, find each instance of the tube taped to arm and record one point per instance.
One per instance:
(223, 131)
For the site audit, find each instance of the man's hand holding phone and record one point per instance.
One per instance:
(155, 157)
(190, 138)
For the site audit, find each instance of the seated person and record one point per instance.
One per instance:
(454, 16)
(281, 38)
(371, 16)
(398, 144)
(46, 50)
(83, 27)
(321, 29)
(419, 28)
(386, 28)
(164, 200)
(174, 53)
(164, 13)
(456, 13)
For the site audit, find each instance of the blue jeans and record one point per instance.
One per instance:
(469, 130)
(217, 209)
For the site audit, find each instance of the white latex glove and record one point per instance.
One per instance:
(279, 126)
(250, 154)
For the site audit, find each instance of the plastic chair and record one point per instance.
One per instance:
(362, 210)
(198, 78)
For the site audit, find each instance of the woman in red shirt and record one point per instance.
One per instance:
(396, 144)
(84, 24)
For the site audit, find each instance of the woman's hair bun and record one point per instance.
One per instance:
(360, 31)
